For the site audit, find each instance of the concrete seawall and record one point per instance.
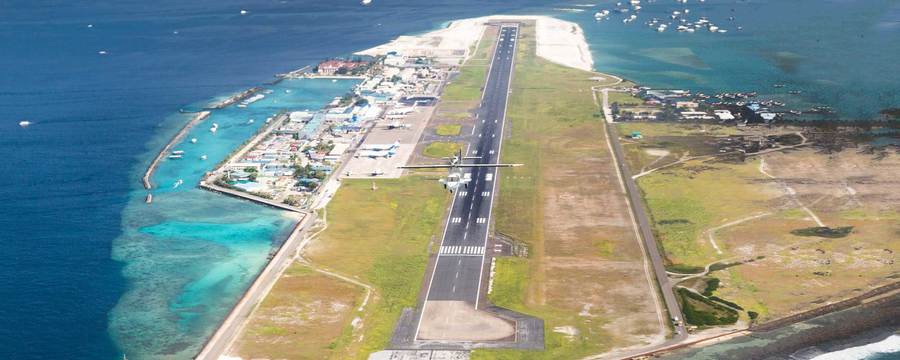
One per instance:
(199, 117)
(166, 149)
(229, 328)
(246, 196)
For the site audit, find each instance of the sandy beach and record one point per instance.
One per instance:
(559, 41)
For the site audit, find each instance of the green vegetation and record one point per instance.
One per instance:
(301, 317)
(711, 285)
(440, 149)
(701, 311)
(510, 282)
(467, 85)
(703, 195)
(380, 237)
(622, 98)
(553, 133)
(824, 231)
(684, 269)
(448, 130)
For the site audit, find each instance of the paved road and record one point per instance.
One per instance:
(458, 273)
(643, 221)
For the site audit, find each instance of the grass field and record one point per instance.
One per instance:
(693, 202)
(584, 273)
(685, 201)
(440, 149)
(678, 140)
(448, 129)
(467, 85)
(305, 316)
(622, 98)
(380, 238)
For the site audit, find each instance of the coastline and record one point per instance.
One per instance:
(558, 41)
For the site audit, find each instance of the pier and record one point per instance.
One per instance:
(233, 99)
(166, 149)
(202, 115)
(247, 196)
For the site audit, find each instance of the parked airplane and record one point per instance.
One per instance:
(395, 145)
(402, 110)
(375, 154)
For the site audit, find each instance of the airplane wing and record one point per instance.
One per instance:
(455, 166)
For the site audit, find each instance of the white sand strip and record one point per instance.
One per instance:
(559, 41)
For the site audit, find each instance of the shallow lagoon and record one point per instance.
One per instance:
(191, 253)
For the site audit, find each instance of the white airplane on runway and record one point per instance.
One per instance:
(456, 177)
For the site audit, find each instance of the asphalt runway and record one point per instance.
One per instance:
(458, 273)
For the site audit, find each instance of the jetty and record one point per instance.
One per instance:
(199, 117)
(235, 98)
(247, 196)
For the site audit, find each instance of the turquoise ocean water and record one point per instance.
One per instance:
(191, 253)
(839, 53)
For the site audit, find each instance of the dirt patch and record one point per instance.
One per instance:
(441, 320)
(657, 152)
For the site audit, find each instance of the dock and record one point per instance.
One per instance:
(166, 149)
(199, 117)
(247, 196)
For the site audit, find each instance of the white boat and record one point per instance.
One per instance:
(193, 140)
(203, 157)
(102, 52)
(722, 31)
(178, 152)
(713, 28)
(250, 121)
(24, 123)
(174, 157)
(366, 2)
(214, 127)
(178, 183)
(251, 100)
(690, 30)
(244, 12)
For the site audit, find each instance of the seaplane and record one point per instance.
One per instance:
(456, 178)
(397, 125)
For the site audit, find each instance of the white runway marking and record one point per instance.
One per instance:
(458, 250)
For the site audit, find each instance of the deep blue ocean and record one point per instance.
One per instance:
(88, 271)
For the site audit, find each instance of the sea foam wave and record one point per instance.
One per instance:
(888, 345)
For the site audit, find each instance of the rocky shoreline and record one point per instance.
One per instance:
(868, 322)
